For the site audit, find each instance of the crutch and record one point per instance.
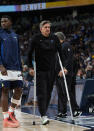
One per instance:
(66, 87)
(34, 106)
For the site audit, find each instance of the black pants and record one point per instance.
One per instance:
(62, 96)
(73, 84)
(44, 82)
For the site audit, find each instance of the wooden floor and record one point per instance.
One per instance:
(26, 121)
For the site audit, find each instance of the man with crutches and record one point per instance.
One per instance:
(61, 83)
(45, 46)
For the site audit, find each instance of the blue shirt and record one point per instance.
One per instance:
(9, 50)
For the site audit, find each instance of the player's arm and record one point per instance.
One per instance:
(2, 68)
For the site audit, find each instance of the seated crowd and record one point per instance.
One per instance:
(79, 31)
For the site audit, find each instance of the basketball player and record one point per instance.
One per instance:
(10, 71)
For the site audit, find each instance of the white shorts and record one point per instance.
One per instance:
(12, 76)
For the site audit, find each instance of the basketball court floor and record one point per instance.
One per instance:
(26, 121)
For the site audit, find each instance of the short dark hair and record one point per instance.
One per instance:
(6, 16)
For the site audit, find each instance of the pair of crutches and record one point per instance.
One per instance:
(66, 87)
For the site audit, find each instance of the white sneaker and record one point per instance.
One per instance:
(44, 120)
(77, 113)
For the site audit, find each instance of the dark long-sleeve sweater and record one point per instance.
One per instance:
(67, 58)
(45, 51)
